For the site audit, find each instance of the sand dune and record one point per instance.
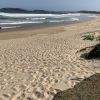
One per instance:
(44, 61)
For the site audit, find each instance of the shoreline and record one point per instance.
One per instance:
(41, 25)
(36, 28)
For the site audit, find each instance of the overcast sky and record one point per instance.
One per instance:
(65, 5)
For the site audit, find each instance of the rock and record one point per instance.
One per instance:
(94, 53)
(88, 89)
(0, 27)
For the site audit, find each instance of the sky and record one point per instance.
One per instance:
(56, 5)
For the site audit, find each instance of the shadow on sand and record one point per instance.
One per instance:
(93, 54)
(88, 89)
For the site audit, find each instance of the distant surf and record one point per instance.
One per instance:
(19, 19)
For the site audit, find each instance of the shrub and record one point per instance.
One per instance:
(91, 37)
(88, 37)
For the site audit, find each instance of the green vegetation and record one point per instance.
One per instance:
(88, 37)
(91, 37)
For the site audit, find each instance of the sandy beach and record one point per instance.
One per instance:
(36, 63)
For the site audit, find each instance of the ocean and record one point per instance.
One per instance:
(14, 20)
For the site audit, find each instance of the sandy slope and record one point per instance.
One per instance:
(34, 68)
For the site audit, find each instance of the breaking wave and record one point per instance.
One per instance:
(16, 18)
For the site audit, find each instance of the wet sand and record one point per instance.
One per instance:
(36, 63)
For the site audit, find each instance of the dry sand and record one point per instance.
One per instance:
(44, 61)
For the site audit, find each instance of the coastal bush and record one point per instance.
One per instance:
(88, 37)
(91, 37)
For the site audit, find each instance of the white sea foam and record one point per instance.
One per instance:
(56, 20)
(37, 15)
(92, 16)
(36, 18)
(15, 23)
(75, 19)
(18, 18)
(74, 14)
(25, 15)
